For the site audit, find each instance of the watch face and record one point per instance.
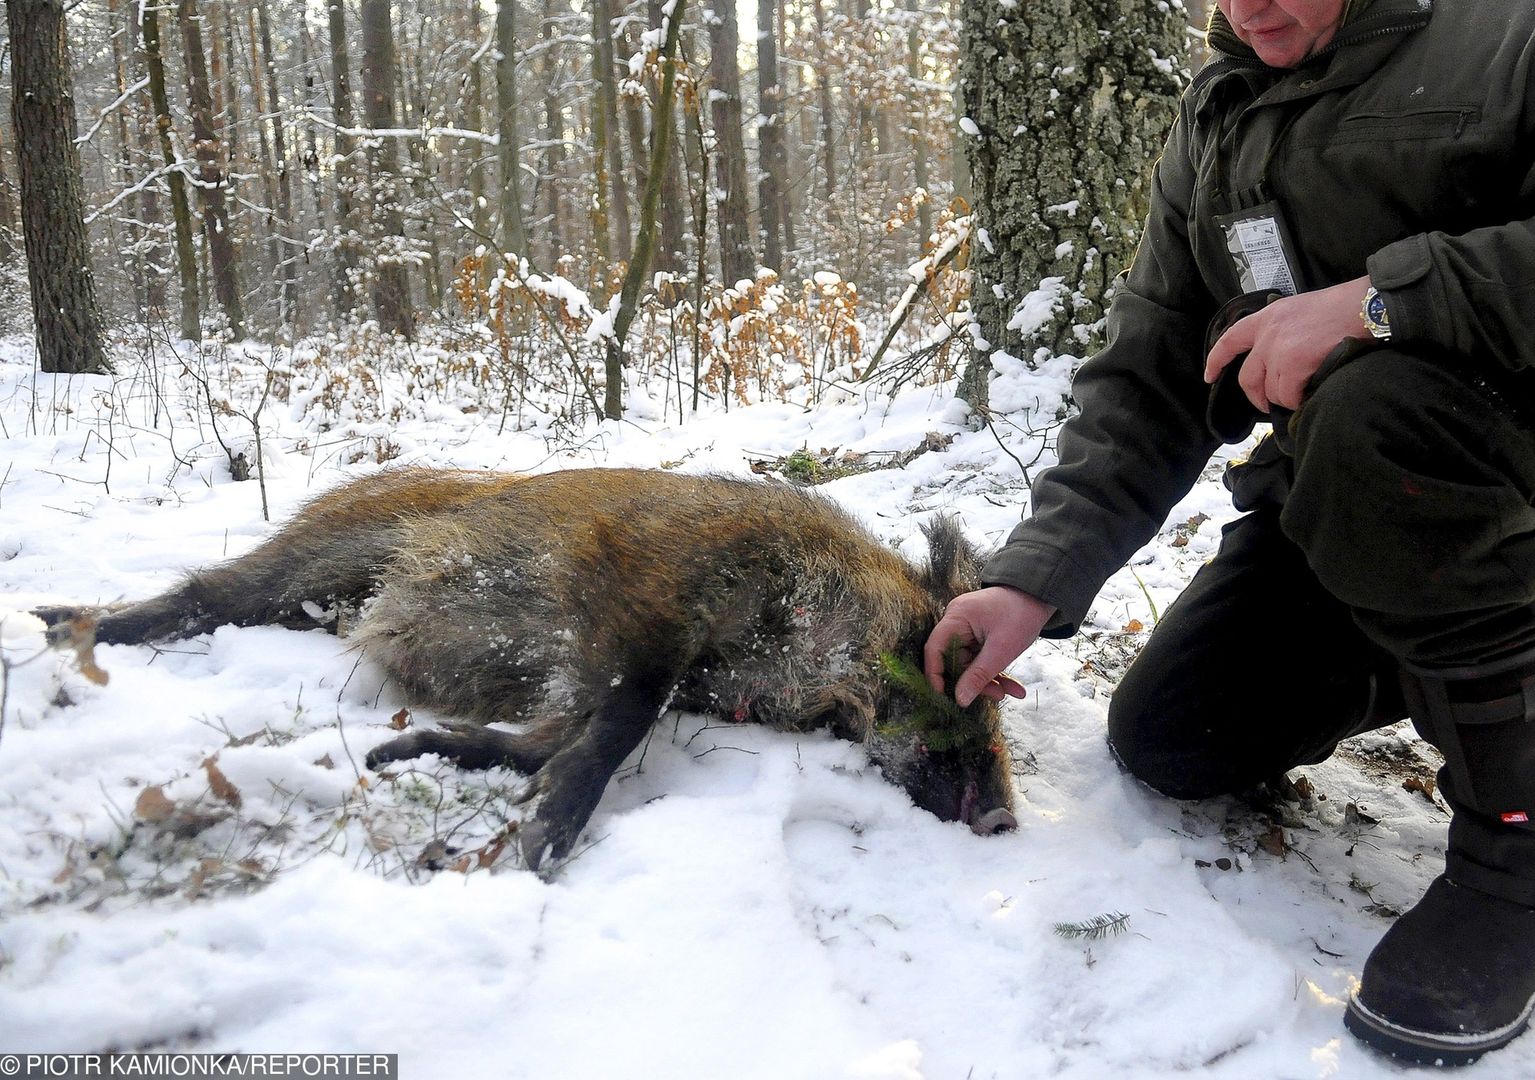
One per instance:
(1375, 309)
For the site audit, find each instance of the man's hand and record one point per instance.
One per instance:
(1002, 621)
(1288, 340)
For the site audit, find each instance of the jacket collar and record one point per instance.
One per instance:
(1361, 19)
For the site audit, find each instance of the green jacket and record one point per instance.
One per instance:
(1406, 148)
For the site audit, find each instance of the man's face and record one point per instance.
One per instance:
(1283, 32)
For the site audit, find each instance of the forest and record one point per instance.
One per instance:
(743, 203)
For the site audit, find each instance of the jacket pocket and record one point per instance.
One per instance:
(1424, 122)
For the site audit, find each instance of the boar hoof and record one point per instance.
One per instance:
(536, 843)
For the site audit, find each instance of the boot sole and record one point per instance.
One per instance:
(1426, 1047)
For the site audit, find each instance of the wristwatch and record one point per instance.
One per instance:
(1373, 312)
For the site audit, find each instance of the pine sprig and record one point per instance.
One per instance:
(1109, 924)
(936, 718)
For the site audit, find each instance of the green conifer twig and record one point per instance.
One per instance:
(1109, 924)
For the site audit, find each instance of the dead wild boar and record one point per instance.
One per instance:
(579, 605)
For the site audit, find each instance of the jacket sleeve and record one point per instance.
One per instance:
(1472, 295)
(1139, 441)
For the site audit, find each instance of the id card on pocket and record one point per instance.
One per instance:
(1257, 248)
(1259, 243)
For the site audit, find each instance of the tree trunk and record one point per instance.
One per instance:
(284, 230)
(605, 125)
(314, 208)
(634, 118)
(144, 277)
(474, 99)
(157, 253)
(789, 165)
(918, 130)
(639, 266)
(770, 140)
(181, 209)
(736, 258)
(671, 248)
(221, 247)
(511, 235)
(391, 283)
(823, 88)
(8, 248)
(554, 141)
(423, 162)
(1061, 166)
(348, 230)
(68, 327)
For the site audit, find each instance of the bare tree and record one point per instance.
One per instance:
(554, 137)
(181, 209)
(68, 327)
(736, 258)
(283, 233)
(513, 238)
(211, 175)
(770, 139)
(348, 228)
(391, 283)
(606, 147)
(639, 266)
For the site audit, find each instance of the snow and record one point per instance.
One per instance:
(746, 903)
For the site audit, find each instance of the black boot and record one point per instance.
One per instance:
(1455, 977)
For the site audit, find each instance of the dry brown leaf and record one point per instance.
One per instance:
(1134, 626)
(1423, 785)
(153, 806)
(220, 784)
(1180, 541)
(400, 720)
(325, 762)
(491, 852)
(1273, 842)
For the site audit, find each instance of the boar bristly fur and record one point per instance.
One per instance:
(579, 605)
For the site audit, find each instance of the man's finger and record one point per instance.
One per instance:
(985, 669)
(949, 627)
(1253, 379)
(1002, 687)
(1235, 341)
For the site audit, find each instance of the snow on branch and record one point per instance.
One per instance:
(110, 109)
(405, 133)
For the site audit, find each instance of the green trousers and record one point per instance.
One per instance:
(1390, 526)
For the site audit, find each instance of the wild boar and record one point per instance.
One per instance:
(578, 606)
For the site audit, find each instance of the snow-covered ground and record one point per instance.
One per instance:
(193, 858)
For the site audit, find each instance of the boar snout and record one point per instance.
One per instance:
(984, 822)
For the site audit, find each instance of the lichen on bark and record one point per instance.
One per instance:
(1071, 101)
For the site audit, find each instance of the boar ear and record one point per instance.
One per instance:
(953, 566)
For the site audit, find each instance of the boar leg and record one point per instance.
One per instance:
(574, 779)
(467, 747)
